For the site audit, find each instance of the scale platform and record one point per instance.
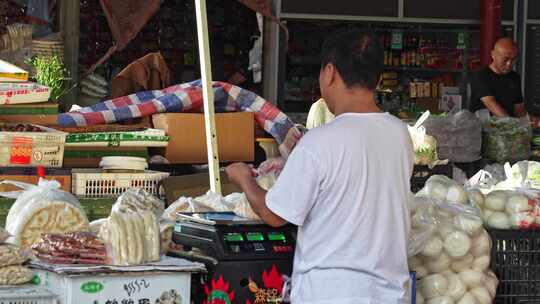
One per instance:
(228, 237)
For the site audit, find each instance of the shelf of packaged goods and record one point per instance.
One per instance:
(420, 69)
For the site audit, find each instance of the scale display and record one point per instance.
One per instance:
(231, 238)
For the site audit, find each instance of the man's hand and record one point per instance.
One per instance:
(493, 106)
(291, 139)
(272, 165)
(240, 174)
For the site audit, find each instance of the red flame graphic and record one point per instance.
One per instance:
(273, 279)
(221, 285)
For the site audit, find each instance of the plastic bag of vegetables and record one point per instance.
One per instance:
(453, 265)
(424, 145)
(524, 174)
(444, 189)
(509, 209)
(506, 139)
(459, 135)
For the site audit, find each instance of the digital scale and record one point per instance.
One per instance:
(247, 256)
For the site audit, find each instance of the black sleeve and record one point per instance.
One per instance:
(519, 94)
(480, 85)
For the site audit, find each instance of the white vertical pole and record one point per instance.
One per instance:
(208, 95)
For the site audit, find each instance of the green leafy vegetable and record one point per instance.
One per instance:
(51, 72)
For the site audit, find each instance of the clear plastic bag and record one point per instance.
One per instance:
(525, 174)
(133, 238)
(166, 229)
(453, 264)
(444, 189)
(512, 209)
(12, 255)
(459, 136)
(42, 208)
(234, 202)
(4, 235)
(137, 200)
(424, 145)
(15, 275)
(506, 139)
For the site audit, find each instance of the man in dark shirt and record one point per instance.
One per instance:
(497, 87)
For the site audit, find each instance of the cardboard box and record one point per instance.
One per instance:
(23, 92)
(12, 73)
(194, 185)
(46, 108)
(42, 120)
(29, 175)
(128, 287)
(187, 143)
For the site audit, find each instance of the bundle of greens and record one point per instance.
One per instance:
(506, 139)
(50, 72)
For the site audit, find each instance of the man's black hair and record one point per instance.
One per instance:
(357, 56)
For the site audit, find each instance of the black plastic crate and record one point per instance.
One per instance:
(422, 173)
(515, 259)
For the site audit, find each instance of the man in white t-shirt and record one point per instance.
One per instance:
(345, 185)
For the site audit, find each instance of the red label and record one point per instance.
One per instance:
(21, 151)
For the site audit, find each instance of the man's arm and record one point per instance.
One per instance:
(493, 106)
(519, 109)
(241, 175)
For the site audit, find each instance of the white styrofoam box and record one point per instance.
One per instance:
(26, 294)
(128, 287)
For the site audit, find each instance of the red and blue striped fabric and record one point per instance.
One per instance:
(185, 97)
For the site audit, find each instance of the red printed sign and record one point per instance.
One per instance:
(21, 151)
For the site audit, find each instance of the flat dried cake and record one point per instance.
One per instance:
(45, 217)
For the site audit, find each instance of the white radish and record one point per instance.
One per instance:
(468, 298)
(469, 224)
(445, 229)
(463, 263)
(499, 220)
(419, 298)
(440, 264)
(438, 191)
(472, 278)
(486, 213)
(522, 220)
(433, 247)
(414, 262)
(457, 244)
(518, 203)
(433, 286)
(496, 200)
(491, 284)
(456, 194)
(482, 295)
(441, 300)
(481, 245)
(481, 263)
(456, 289)
(421, 272)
